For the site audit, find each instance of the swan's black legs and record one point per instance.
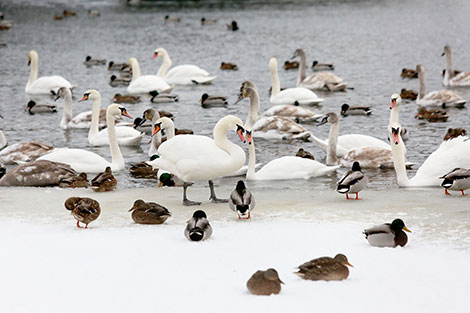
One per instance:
(185, 200)
(213, 197)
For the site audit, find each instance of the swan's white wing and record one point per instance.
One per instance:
(126, 136)
(187, 74)
(293, 95)
(461, 79)
(277, 127)
(79, 159)
(289, 110)
(291, 167)
(450, 155)
(353, 141)
(44, 85)
(147, 83)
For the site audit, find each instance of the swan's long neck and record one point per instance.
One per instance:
(398, 156)
(157, 138)
(3, 140)
(95, 117)
(449, 71)
(33, 74)
(170, 130)
(253, 114)
(67, 115)
(237, 154)
(422, 84)
(166, 63)
(302, 67)
(276, 85)
(135, 70)
(250, 174)
(394, 115)
(116, 157)
(331, 158)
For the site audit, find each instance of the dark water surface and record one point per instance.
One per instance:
(368, 41)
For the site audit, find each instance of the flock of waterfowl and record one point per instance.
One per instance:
(182, 159)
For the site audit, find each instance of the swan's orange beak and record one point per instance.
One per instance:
(392, 103)
(240, 132)
(155, 55)
(156, 129)
(124, 113)
(249, 139)
(395, 138)
(84, 98)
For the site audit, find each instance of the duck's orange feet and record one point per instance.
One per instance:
(78, 225)
(447, 193)
(86, 225)
(463, 193)
(347, 198)
(357, 196)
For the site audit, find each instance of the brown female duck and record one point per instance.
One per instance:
(84, 210)
(149, 212)
(104, 181)
(325, 268)
(264, 283)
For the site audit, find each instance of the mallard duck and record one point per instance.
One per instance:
(143, 169)
(170, 180)
(346, 110)
(408, 94)
(353, 181)
(77, 181)
(264, 283)
(84, 210)
(232, 26)
(454, 133)
(198, 227)
(434, 115)
(322, 66)
(228, 66)
(115, 81)
(112, 66)
(304, 154)
(57, 17)
(118, 98)
(207, 101)
(169, 19)
(104, 181)
(457, 179)
(89, 61)
(32, 107)
(94, 12)
(387, 235)
(149, 212)
(409, 73)
(290, 65)
(208, 21)
(159, 97)
(325, 268)
(242, 201)
(69, 13)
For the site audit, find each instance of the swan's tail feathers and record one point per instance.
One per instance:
(342, 188)
(310, 101)
(168, 90)
(327, 170)
(447, 183)
(337, 87)
(203, 80)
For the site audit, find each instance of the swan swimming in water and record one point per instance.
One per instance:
(450, 78)
(141, 84)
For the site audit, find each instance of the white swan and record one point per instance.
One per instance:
(82, 120)
(444, 98)
(146, 83)
(126, 135)
(274, 127)
(45, 84)
(451, 154)
(89, 162)
(450, 79)
(186, 74)
(319, 80)
(287, 167)
(194, 158)
(23, 152)
(297, 95)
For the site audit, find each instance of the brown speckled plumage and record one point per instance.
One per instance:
(84, 210)
(149, 212)
(325, 268)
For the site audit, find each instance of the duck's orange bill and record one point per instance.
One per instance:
(349, 264)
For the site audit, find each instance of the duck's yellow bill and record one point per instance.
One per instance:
(160, 184)
(406, 229)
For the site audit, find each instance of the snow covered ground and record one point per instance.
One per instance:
(48, 265)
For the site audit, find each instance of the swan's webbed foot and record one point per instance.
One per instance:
(187, 202)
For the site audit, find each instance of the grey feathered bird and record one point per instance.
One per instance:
(198, 227)
(241, 201)
(353, 181)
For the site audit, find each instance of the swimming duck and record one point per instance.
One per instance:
(69, 13)
(264, 283)
(208, 21)
(42, 174)
(228, 66)
(242, 201)
(353, 181)
(301, 153)
(169, 19)
(160, 97)
(325, 268)
(32, 107)
(149, 212)
(409, 73)
(112, 66)
(454, 133)
(346, 110)
(290, 65)
(435, 115)
(118, 98)
(232, 26)
(457, 179)
(89, 61)
(84, 210)
(322, 66)
(198, 227)
(388, 235)
(115, 81)
(408, 94)
(207, 101)
(104, 181)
